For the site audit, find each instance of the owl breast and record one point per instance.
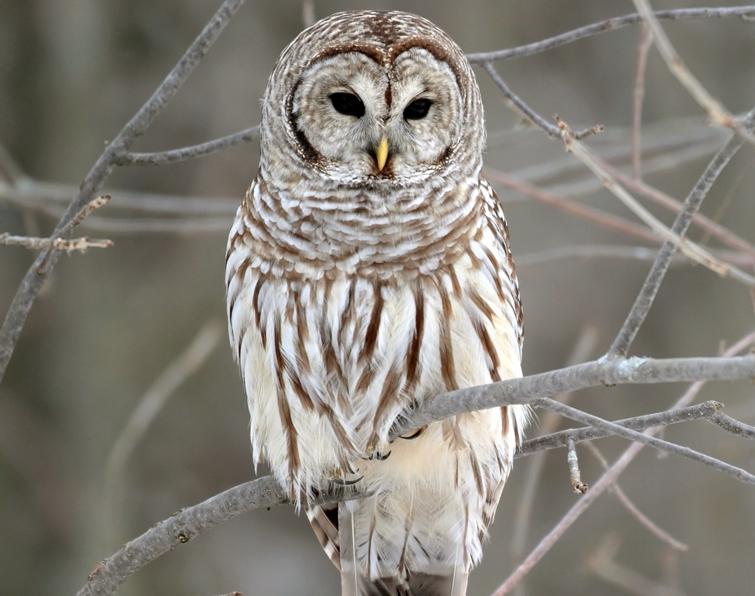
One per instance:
(342, 318)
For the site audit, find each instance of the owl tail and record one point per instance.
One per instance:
(354, 582)
(335, 530)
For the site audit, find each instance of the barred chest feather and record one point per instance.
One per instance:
(345, 312)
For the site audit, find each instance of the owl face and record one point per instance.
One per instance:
(371, 99)
(367, 120)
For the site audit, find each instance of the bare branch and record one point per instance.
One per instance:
(635, 512)
(742, 12)
(689, 248)
(249, 134)
(572, 143)
(66, 245)
(601, 218)
(733, 426)
(604, 372)
(716, 111)
(575, 477)
(711, 227)
(308, 12)
(101, 170)
(154, 399)
(645, 439)
(530, 115)
(612, 251)
(179, 529)
(161, 158)
(657, 273)
(35, 193)
(556, 440)
(643, 46)
(604, 566)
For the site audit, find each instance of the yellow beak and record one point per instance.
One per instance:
(382, 153)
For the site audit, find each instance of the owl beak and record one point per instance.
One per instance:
(381, 153)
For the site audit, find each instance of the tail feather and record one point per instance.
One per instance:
(354, 583)
(324, 522)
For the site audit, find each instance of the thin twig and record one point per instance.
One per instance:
(157, 395)
(635, 511)
(644, 301)
(645, 439)
(578, 186)
(530, 115)
(607, 25)
(733, 426)
(643, 46)
(716, 111)
(33, 193)
(308, 17)
(35, 278)
(67, 245)
(602, 563)
(612, 251)
(711, 227)
(601, 218)
(556, 440)
(689, 248)
(161, 158)
(572, 142)
(575, 476)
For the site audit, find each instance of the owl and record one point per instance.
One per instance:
(368, 269)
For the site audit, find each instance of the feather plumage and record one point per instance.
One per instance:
(354, 297)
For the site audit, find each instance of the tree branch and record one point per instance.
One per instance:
(635, 511)
(550, 43)
(65, 245)
(657, 273)
(689, 248)
(265, 492)
(101, 170)
(705, 410)
(161, 158)
(716, 111)
(604, 372)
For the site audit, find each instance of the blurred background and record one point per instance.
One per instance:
(138, 329)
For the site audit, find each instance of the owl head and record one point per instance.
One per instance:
(371, 99)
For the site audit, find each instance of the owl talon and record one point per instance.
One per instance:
(414, 435)
(344, 482)
(377, 450)
(341, 478)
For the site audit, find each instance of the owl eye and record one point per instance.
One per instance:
(347, 104)
(418, 109)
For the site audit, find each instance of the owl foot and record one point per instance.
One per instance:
(341, 477)
(377, 450)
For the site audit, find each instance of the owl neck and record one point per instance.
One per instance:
(378, 233)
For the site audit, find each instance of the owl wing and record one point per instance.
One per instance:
(500, 228)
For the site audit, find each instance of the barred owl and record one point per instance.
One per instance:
(368, 268)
